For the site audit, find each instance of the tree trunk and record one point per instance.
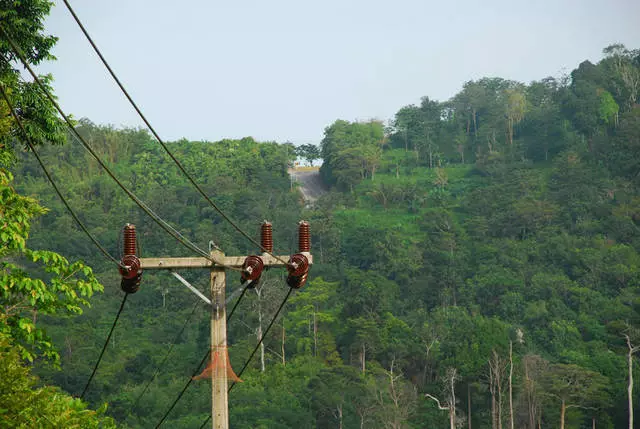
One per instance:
(499, 403)
(315, 333)
(452, 405)
(511, 423)
(593, 422)
(563, 408)
(469, 405)
(630, 385)
(531, 408)
(492, 390)
(452, 418)
(475, 124)
(284, 362)
(363, 357)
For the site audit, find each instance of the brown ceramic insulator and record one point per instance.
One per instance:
(252, 269)
(131, 285)
(296, 282)
(304, 237)
(266, 237)
(130, 240)
(130, 266)
(298, 265)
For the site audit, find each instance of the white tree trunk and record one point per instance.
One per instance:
(630, 386)
(315, 333)
(632, 351)
(284, 362)
(511, 423)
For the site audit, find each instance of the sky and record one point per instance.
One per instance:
(283, 70)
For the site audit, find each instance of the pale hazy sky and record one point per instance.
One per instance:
(283, 70)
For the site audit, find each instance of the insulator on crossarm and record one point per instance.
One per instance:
(131, 285)
(298, 268)
(252, 270)
(296, 282)
(130, 267)
(304, 237)
(266, 237)
(129, 232)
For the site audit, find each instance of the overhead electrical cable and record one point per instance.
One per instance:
(173, 343)
(284, 301)
(164, 146)
(53, 183)
(202, 362)
(104, 347)
(161, 222)
(282, 304)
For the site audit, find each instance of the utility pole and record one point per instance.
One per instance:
(251, 268)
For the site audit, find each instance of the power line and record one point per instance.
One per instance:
(53, 183)
(95, 368)
(284, 301)
(164, 146)
(173, 343)
(161, 222)
(204, 359)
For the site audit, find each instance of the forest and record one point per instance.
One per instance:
(476, 262)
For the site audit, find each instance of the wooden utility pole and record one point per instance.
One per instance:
(217, 264)
(219, 381)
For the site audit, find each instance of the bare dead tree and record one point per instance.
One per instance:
(534, 368)
(396, 400)
(511, 423)
(450, 396)
(631, 351)
(497, 369)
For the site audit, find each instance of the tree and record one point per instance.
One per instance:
(406, 125)
(24, 22)
(631, 351)
(310, 152)
(627, 74)
(25, 405)
(333, 391)
(624, 155)
(449, 381)
(497, 368)
(535, 369)
(574, 386)
(351, 152)
(395, 398)
(59, 286)
(515, 110)
(430, 114)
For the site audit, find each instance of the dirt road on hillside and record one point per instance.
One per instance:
(311, 185)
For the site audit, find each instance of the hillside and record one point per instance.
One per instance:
(476, 263)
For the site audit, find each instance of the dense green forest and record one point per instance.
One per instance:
(476, 263)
